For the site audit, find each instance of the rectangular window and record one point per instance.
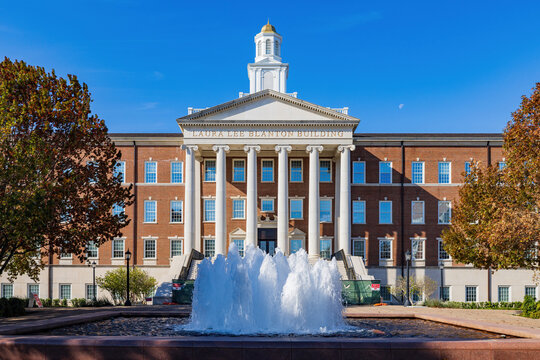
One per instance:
(150, 172)
(240, 245)
(239, 170)
(444, 293)
(444, 212)
(444, 172)
(33, 289)
(385, 249)
(359, 172)
(209, 210)
(417, 172)
(210, 170)
(176, 247)
(118, 249)
(296, 244)
(417, 212)
(385, 212)
(443, 255)
(176, 211)
(530, 291)
(417, 246)
(7, 291)
(120, 171)
(65, 255)
(502, 165)
(325, 210)
(467, 167)
(296, 208)
(177, 176)
(267, 205)
(359, 212)
(504, 293)
(91, 250)
(325, 248)
(150, 211)
(385, 172)
(209, 247)
(91, 292)
(470, 293)
(267, 171)
(386, 295)
(238, 211)
(296, 170)
(149, 248)
(65, 291)
(118, 210)
(325, 170)
(359, 248)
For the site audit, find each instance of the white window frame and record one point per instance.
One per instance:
(320, 207)
(449, 172)
(171, 211)
(449, 292)
(301, 170)
(326, 238)
(268, 199)
(66, 255)
(204, 210)
(174, 239)
(29, 292)
(205, 172)
(380, 171)
(123, 163)
(145, 241)
(204, 245)
(391, 212)
(4, 291)
(86, 286)
(155, 212)
(297, 238)
(509, 293)
(146, 173)
(331, 165)
(97, 250)
(475, 295)
(465, 167)
(531, 287)
(363, 174)
(439, 213)
(423, 212)
(123, 248)
(301, 208)
(243, 171)
(420, 241)
(439, 248)
(60, 291)
(362, 240)
(353, 212)
(391, 241)
(273, 170)
(423, 172)
(181, 172)
(243, 217)
(235, 239)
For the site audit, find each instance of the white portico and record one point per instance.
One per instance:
(271, 124)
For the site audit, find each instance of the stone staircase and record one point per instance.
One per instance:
(194, 270)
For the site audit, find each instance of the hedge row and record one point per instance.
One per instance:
(12, 307)
(530, 307)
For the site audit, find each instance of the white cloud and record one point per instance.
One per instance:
(401, 106)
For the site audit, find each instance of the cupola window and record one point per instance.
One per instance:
(276, 48)
(268, 46)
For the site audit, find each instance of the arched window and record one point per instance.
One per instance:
(259, 48)
(268, 46)
(276, 48)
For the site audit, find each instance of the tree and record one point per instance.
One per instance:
(57, 162)
(140, 284)
(496, 223)
(426, 286)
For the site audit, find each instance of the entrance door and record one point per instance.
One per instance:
(268, 240)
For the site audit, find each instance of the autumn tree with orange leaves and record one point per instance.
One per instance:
(496, 223)
(57, 162)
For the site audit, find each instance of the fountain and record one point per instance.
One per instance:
(264, 294)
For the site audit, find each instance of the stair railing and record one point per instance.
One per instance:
(193, 255)
(340, 255)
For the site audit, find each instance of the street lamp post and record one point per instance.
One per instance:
(94, 290)
(408, 258)
(441, 267)
(128, 256)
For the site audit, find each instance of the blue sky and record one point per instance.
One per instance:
(455, 66)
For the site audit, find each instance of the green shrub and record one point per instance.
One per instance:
(64, 303)
(99, 303)
(78, 302)
(12, 307)
(46, 302)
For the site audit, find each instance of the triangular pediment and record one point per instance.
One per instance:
(237, 232)
(267, 106)
(296, 232)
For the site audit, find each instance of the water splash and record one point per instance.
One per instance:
(263, 294)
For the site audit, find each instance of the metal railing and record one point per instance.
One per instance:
(193, 255)
(340, 255)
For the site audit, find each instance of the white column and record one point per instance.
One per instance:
(283, 198)
(251, 206)
(345, 198)
(314, 214)
(189, 198)
(221, 204)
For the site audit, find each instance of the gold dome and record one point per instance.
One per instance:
(268, 28)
